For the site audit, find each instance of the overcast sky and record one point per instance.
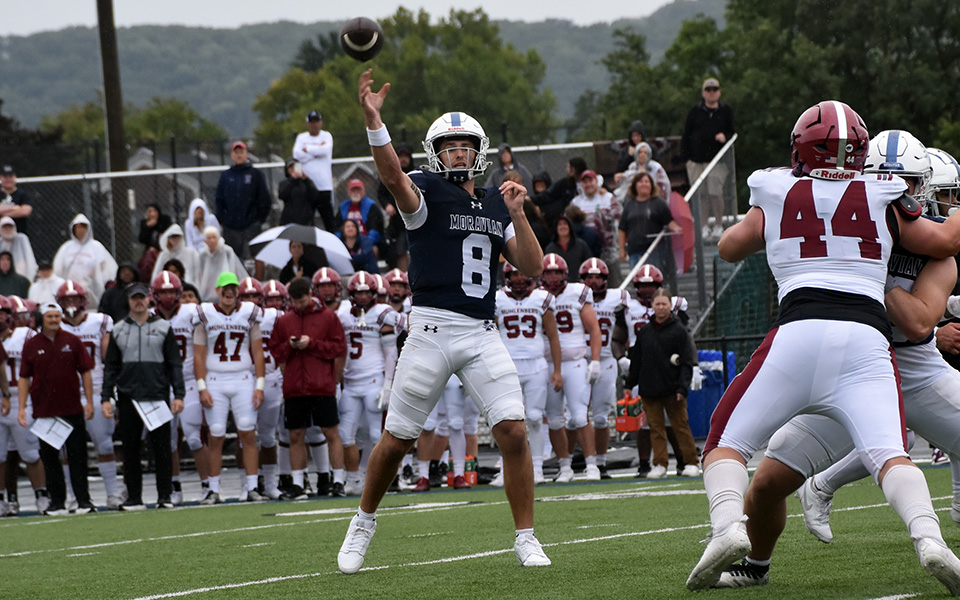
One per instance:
(23, 17)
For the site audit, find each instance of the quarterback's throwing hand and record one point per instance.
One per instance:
(371, 101)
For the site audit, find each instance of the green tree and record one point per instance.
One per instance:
(163, 118)
(458, 63)
(312, 57)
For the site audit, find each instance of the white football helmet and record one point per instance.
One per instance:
(898, 152)
(456, 125)
(944, 181)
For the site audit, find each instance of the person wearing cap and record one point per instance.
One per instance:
(18, 244)
(302, 200)
(52, 365)
(227, 356)
(314, 149)
(143, 363)
(359, 207)
(44, 289)
(242, 201)
(14, 202)
(708, 126)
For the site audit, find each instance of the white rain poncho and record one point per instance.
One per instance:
(193, 233)
(18, 244)
(182, 252)
(85, 261)
(212, 263)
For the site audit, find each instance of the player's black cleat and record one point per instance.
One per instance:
(743, 574)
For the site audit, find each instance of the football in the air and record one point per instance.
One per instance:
(361, 38)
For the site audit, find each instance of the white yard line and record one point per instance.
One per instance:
(897, 597)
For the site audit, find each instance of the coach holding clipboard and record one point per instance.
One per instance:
(48, 374)
(143, 362)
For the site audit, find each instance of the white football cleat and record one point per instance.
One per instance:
(940, 562)
(497, 481)
(43, 503)
(565, 475)
(176, 498)
(722, 551)
(355, 545)
(593, 473)
(353, 488)
(114, 502)
(690, 471)
(816, 511)
(657, 472)
(538, 477)
(529, 551)
(273, 493)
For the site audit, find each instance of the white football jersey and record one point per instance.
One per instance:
(270, 316)
(521, 323)
(13, 346)
(607, 317)
(91, 331)
(182, 323)
(228, 336)
(829, 235)
(573, 337)
(365, 357)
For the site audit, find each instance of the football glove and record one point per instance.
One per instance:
(593, 371)
(697, 382)
(383, 399)
(624, 363)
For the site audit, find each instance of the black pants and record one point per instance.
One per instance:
(76, 446)
(131, 433)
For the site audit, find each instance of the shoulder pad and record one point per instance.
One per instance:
(908, 207)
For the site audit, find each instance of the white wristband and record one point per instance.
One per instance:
(261, 383)
(201, 385)
(378, 137)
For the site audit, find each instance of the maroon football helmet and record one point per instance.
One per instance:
(326, 285)
(598, 268)
(829, 141)
(648, 280)
(518, 285)
(164, 282)
(555, 271)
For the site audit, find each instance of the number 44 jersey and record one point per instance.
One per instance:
(826, 234)
(521, 323)
(228, 336)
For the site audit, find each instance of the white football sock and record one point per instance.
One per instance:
(535, 437)
(251, 483)
(955, 475)
(298, 477)
(590, 460)
(339, 475)
(424, 467)
(566, 463)
(283, 460)
(108, 471)
(601, 460)
(458, 450)
(847, 470)
(321, 458)
(906, 491)
(726, 482)
(214, 484)
(269, 477)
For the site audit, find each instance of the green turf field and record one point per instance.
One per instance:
(617, 539)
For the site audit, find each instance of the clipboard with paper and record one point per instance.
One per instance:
(52, 430)
(153, 413)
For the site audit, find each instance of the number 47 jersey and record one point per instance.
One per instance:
(826, 234)
(228, 336)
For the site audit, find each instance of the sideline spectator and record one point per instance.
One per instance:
(536, 222)
(541, 183)
(578, 221)
(644, 162)
(363, 211)
(14, 202)
(84, 260)
(173, 246)
(143, 363)
(48, 375)
(298, 265)
(507, 164)
(301, 199)
(114, 301)
(176, 267)
(18, 244)
(44, 289)
(645, 214)
(307, 341)
(558, 196)
(602, 211)
(11, 282)
(314, 149)
(242, 200)
(152, 227)
(661, 365)
(636, 135)
(199, 218)
(216, 257)
(361, 249)
(395, 250)
(708, 126)
(566, 244)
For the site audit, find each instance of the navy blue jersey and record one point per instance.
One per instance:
(455, 253)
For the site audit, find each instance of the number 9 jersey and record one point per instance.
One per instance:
(455, 244)
(826, 234)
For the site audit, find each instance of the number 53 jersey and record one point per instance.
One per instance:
(455, 244)
(228, 337)
(826, 234)
(521, 323)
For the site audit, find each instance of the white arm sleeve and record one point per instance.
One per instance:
(418, 217)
